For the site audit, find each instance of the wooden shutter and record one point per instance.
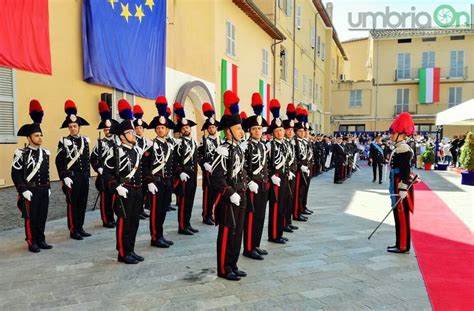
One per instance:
(7, 106)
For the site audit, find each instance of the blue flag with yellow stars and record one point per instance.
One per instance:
(124, 45)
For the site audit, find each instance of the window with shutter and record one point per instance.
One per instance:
(265, 62)
(230, 39)
(289, 7)
(454, 96)
(283, 64)
(304, 84)
(310, 88)
(318, 45)
(295, 78)
(403, 66)
(456, 64)
(298, 17)
(428, 60)
(402, 104)
(355, 99)
(8, 116)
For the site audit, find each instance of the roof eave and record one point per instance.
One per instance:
(327, 21)
(252, 11)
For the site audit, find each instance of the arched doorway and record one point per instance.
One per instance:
(192, 95)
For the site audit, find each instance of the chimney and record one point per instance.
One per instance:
(329, 9)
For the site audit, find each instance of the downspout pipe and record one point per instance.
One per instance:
(315, 58)
(294, 51)
(273, 49)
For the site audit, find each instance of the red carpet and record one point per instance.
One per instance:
(444, 248)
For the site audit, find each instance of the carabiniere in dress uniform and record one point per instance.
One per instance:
(30, 174)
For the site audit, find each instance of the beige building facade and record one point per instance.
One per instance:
(381, 80)
(285, 45)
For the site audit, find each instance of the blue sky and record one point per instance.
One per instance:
(342, 8)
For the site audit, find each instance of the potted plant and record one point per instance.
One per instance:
(467, 160)
(428, 157)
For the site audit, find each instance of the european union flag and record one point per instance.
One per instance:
(124, 45)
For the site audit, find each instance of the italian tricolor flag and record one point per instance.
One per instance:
(264, 90)
(429, 85)
(228, 80)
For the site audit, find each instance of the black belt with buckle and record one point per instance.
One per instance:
(35, 184)
(132, 185)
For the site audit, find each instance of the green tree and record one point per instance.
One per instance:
(467, 153)
(428, 156)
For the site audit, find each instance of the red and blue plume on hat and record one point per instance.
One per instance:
(208, 110)
(161, 105)
(300, 114)
(243, 115)
(257, 104)
(137, 112)
(36, 111)
(231, 103)
(125, 110)
(168, 112)
(104, 111)
(403, 124)
(275, 108)
(70, 107)
(305, 113)
(179, 111)
(291, 111)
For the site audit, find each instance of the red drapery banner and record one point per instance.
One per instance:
(24, 35)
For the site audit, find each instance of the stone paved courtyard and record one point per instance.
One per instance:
(328, 264)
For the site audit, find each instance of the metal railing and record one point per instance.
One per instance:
(446, 73)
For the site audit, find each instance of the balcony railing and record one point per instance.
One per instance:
(447, 73)
(401, 108)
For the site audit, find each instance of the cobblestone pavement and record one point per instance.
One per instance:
(328, 264)
(10, 216)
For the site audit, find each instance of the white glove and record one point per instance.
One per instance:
(152, 188)
(100, 170)
(276, 180)
(402, 187)
(304, 169)
(122, 191)
(253, 186)
(208, 167)
(235, 198)
(49, 193)
(291, 176)
(68, 182)
(184, 177)
(27, 195)
(402, 193)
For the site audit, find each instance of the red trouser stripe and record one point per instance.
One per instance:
(204, 206)
(120, 237)
(182, 201)
(403, 226)
(297, 190)
(102, 207)
(224, 248)
(69, 209)
(410, 202)
(249, 225)
(153, 217)
(29, 236)
(218, 198)
(275, 212)
(249, 232)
